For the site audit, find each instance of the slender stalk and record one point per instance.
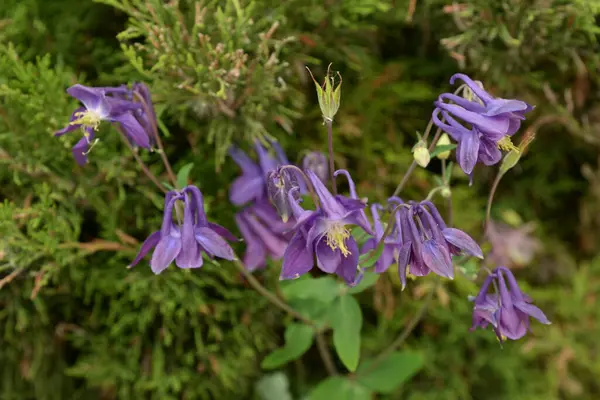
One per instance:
(405, 332)
(413, 165)
(325, 355)
(256, 285)
(161, 149)
(490, 201)
(141, 162)
(331, 163)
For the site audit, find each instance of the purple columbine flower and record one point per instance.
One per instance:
(102, 104)
(324, 233)
(490, 121)
(428, 244)
(507, 311)
(252, 185)
(316, 161)
(184, 243)
(392, 243)
(265, 234)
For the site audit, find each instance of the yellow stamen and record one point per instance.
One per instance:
(336, 238)
(87, 118)
(506, 144)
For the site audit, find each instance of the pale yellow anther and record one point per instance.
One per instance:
(87, 119)
(506, 144)
(336, 238)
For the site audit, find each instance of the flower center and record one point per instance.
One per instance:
(506, 144)
(336, 238)
(87, 118)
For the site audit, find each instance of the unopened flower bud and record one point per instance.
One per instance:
(279, 183)
(421, 154)
(317, 163)
(444, 140)
(328, 95)
(510, 160)
(446, 192)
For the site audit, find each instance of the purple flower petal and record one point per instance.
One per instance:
(467, 151)
(297, 260)
(463, 241)
(148, 245)
(213, 243)
(246, 188)
(223, 232)
(437, 259)
(81, 148)
(189, 256)
(92, 98)
(70, 127)
(274, 243)
(533, 311)
(489, 154)
(166, 251)
(475, 88)
(328, 260)
(256, 253)
(348, 266)
(403, 260)
(134, 131)
(329, 204)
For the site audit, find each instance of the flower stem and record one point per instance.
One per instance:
(141, 162)
(161, 149)
(331, 163)
(325, 355)
(405, 332)
(491, 200)
(256, 285)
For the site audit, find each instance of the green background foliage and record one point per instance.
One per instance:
(75, 323)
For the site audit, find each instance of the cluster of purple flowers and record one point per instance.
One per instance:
(488, 123)
(274, 224)
(131, 109)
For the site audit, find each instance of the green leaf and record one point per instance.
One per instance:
(368, 280)
(360, 235)
(182, 175)
(346, 320)
(390, 373)
(442, 148)
(369, 259)
(324, 289)
(275, 386)
(339, 388)
(298, 339)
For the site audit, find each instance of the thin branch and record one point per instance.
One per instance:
(141, 162)
(10, 277)
(325, 355)
(490, 201)
(331, 163)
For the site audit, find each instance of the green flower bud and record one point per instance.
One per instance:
(421, 154)
(446, 192)
(510, 160)
(328, 95)
(444, 140)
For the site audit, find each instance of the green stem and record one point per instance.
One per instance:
(325, 355)
(331, 163)
(490, 201)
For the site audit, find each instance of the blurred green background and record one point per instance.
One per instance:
(76, 324)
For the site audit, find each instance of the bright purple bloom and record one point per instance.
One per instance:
(323, 233)
(392, 243)
(103, 104)
(428, 244)
(507, 311)
(265, 234)
(280, 182)
(489, 120)
(316, 161)
(184, 243)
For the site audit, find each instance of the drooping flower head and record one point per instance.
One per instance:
(185, 242)
(490, 122)
(264, 232)
(507, 311)
(280, 182)
(324, 233)
(428, 244)
(110, 104)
